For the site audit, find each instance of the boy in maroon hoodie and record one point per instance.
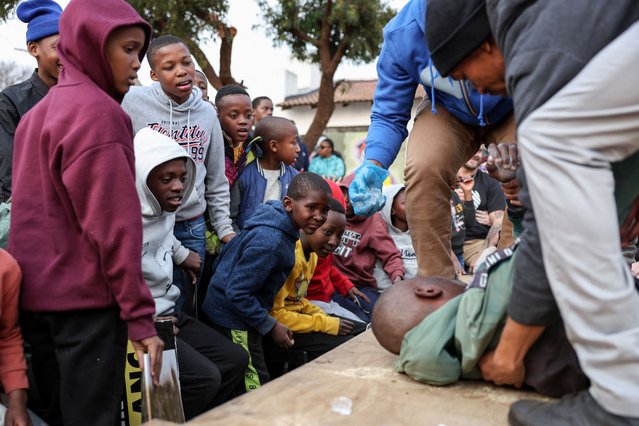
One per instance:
(365, 240)
(76, 226)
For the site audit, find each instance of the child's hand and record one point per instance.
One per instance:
(16, 414)
(154, 346)
(282, 336)
(228, 237)
(503, 160)
(192, 265)
(354, 293)
(466, 183)
(345, 327)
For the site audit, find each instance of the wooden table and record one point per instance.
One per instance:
(361, 370)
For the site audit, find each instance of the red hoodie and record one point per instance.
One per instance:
(76, 224)
(327, 279)
(365, 240)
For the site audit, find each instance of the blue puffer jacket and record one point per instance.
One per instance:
(402, 65)
(251, 269)
(248, 190)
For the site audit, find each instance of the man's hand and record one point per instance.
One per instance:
(354, 292)
(483, 217)
(192, 265)
(365, 192)
(345, 327)
(500, 371)
(16, 414)
(228, 237)
(154, 346)
(511, 191)
(282, 336)
(503, 160)
(466, 185)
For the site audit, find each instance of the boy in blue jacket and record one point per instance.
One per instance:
(254, 266)
(450, 125)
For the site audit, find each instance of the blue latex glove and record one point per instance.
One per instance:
(365, 192)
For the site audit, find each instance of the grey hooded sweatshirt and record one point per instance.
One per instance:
(194, 125)
(159, 247)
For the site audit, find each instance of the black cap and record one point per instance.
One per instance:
(454, 28)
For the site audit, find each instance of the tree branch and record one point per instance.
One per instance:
(303, 36)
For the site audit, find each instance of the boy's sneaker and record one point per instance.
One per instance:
(578, 409)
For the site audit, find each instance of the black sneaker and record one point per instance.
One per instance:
(578, 409)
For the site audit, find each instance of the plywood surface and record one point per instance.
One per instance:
(361, 370)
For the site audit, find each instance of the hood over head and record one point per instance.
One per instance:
(85, 26)
(390, 192)
(152, 149)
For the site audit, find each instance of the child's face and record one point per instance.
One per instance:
(264, 109)
(350, 213)
(236, 116)
(202, 84)
(174, 69)
(123, 48)
(326, 239)
(399, 206)
(166, 183)
(287, 148)
(46, 54)
(308, 213)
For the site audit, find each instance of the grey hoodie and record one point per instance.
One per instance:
(194, 125)
(159, 247)
(402, 239)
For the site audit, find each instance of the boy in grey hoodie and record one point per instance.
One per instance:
(211, 366)
(174, 107)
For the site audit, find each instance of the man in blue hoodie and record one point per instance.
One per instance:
(577, 115)
(451, 124)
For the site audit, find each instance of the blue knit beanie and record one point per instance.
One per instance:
(42, 17)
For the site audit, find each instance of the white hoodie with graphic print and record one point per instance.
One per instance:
(160, 248)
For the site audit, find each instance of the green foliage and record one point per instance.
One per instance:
(188, 19)
(7, 9)
(298, 24)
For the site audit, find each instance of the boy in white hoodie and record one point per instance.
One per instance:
(175, 108)
(394, 214)
(211, 366)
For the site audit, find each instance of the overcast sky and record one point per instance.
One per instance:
(255, 61)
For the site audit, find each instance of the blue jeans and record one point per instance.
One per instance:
(192, 235)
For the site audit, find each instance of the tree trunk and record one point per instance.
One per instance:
(204, 63)
(226, 48)
(325, 107)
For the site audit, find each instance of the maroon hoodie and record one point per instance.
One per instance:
(365, 240)
(76, 224)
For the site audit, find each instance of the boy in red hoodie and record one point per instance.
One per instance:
(365, 240)
(76, 226)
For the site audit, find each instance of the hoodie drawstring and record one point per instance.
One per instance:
(480, 117)
(433, 110)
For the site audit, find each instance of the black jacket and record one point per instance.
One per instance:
(15, 101)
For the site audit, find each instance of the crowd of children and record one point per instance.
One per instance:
(113, 186)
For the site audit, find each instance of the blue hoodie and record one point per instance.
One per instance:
(402, 65)
(251, 269)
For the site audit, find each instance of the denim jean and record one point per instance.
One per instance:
(192, 235)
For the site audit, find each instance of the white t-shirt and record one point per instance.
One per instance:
(273, 188)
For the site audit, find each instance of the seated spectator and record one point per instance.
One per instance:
(269, 176)
(332, 291)
(13, 370)
(262, 108)
(489, 206)
(366, 240)
(252, 268)
(441, 331)
(201, 82)
(327, 163)
(394, 214)
(313, 330)
(463, 211)
(211, 367)
(235, 113)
